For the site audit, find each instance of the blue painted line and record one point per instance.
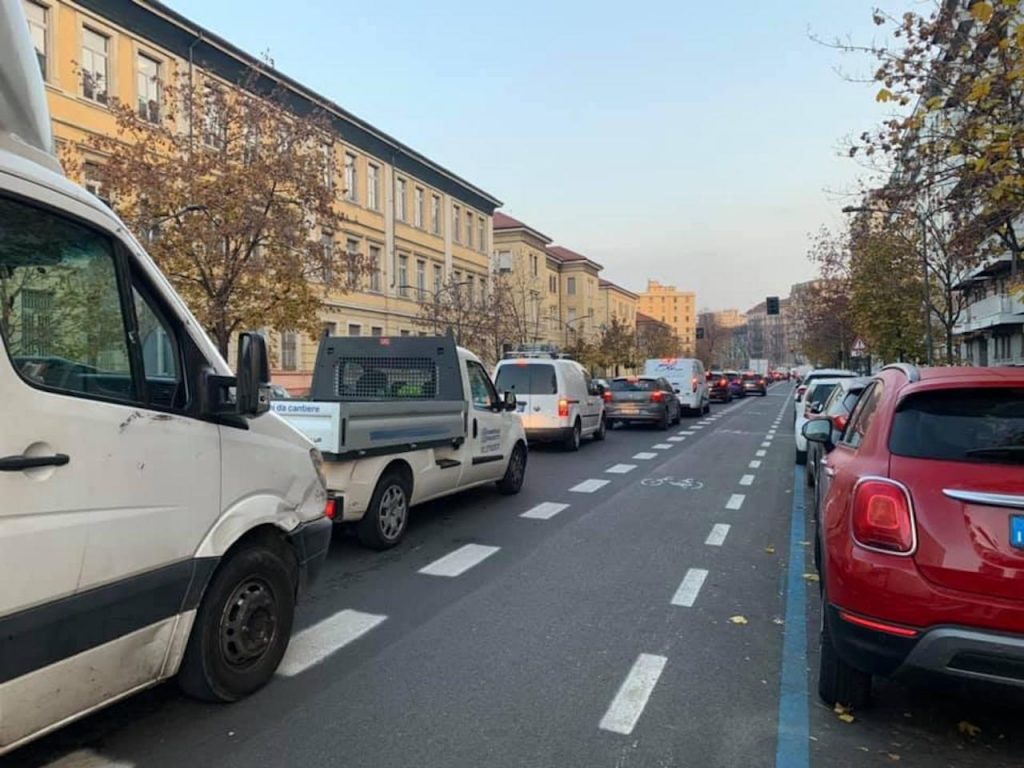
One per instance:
(793, 748)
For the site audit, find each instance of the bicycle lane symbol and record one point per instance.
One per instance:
(687, 484)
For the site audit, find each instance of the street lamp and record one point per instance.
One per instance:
(928, 344)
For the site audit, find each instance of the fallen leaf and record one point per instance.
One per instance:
(846, 717)
(770, 549)
(811, 577)
(778, 620)
(738, 619)
(968, 729)
(863, 749)
(893, 756)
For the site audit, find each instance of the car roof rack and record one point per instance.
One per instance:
(536, 354)
(908, 370)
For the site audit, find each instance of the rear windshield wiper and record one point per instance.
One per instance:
(1014, 452)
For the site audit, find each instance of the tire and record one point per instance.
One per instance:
(679, 416)
(663, 423)
(801, 457)
(574, 438)
(515, 472)
(707, 408)
(387, 517)
(817, 554)
(251, 598)
(612, 423)
(602, 430)
(838, 682)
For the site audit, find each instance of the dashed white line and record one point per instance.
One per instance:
(314, 644)
(676, 439)
(589, 486)
(717, 536)
(766, 444)
(696, 427)
(687, 432)
(689, 587)
(545, 510)
(459, 561)
(747, 480)
(661, 446)
(771, 432)
(735, 501)
(644, 455)
(628, 704)
(620, 469)
(755, 464)
(761, 454)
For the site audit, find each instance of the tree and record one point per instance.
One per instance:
(713, 348)
(617, 346)
(656, 340)
(825, 306)
(236, 196)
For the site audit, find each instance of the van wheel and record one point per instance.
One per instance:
(388, 514)
(242, 627)
(706, 409)
(838, 682)
(602, 430)
(572, 440)
(515, 472)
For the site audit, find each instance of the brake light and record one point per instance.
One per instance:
(563, 408)
(839, 422)
(723, 383)
(657, 397)
(882, 516)
(331, 509)
(607, 396)
(878, 626)
(693, 384)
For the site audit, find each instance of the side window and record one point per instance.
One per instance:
(481, 389)
(862, 416)
(161, 357)
(61, 313)
(588, 383)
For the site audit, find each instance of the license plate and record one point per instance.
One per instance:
(1017, 531)
(630, 408)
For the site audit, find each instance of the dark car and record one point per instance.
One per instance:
(736, 383)
(718, 387)
(641, 398)
(754, 383)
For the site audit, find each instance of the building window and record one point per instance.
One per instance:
(481, 239)
(330, 329)
(38, 16)
(95, 65)
(327, 243)
(327, 159)
(374, 267)
(289, 351)
(403, 276)
(352, 251)
(456, 224)
(469, 229)
(147, 85)
(213, 119)
(355, 329)
(417, 212)
(405, 332)
(421, 278)
(438, 279)
(570, 286)
(1003, 350)
(534, 264)
(435, 214)
(505, 261)
(552, 284)
(470, 286)
(373, 187)
(400, 213)
(351, 179)
(376, 330)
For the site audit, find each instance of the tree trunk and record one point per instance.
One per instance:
(223, 338)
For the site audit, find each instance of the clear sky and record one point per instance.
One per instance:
(693, 142)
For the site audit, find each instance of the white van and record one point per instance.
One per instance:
(556, 398)
(688, 379)
(140, 495)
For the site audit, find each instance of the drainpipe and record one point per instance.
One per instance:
(192, 45)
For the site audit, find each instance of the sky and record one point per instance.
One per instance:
(696, 143)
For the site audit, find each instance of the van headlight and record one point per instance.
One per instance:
(318, 464)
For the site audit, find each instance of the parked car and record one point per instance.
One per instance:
(556, 399)
(755, 383)
(642, 399)
(736, 383)
(688, 380)
(837, 410)
(718, 387)
(818, 392)
(921, 540)
(805, 382)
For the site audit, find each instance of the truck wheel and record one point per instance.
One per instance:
(388, 514)
(515, 473)
(572, 440)
(242, 627)
(602, 430)
(838, 682)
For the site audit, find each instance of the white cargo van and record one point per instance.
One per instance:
(401, 421)
(141, 490)
(687, 377)
(556, 398)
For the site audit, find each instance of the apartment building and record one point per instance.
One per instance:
(422, 225)
(579, 294)
(772, 337)
(729, 318)
(676, 308)
(990, 329)
(615, 302)
(531, 274)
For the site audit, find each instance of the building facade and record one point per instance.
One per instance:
(615, 303)
(420, 224)
(990, 329)
(678, 309)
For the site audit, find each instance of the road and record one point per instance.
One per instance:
(641, 603)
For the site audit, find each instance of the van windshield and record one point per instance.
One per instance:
(527, 379)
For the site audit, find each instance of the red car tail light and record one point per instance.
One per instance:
(331, 509)
(882, 516)
(563, 408)
(723, 382)
(607, 396)
(657, 397)
(693, 384)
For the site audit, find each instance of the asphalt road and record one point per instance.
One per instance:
(661, 617)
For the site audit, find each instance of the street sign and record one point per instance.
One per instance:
(859, 348)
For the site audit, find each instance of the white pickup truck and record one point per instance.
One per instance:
(401, 421)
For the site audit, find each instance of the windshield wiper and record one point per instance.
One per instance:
(1013, 452)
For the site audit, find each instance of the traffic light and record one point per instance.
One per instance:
(772, 305)
(700, 333)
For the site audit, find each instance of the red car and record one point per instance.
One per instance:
(921, 532)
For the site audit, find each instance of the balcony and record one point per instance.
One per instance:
(1000, 309)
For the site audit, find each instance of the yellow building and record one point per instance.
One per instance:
(729, 318)
(615, 302)
(421, 224)
(520, 256)
(578, 294)
(677, 309)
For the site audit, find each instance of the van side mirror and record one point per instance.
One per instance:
(510, 401)
(252, 393)
(817, 431)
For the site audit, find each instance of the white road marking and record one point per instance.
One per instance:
(735, 501)
(589, 486)
(628, 704)
(696, 427)
(747, 480)
(459, 561)
(87, 758)
(661, 446)
(645, 455)
(755, 464)
(717, 536)
(545, 510)
(689, 587)
(676, 439)
(761, 454)
(620, 469)
(314, 644)
(687, 432)
(771, 432)
(766, 444)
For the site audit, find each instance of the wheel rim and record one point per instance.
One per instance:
(517, 467)
(393, 510)
(576, 436)
(248, 625)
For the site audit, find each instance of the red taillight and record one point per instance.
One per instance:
(563, 408)
(607, 396)
(839, 422)
(331, 509)
(723, 382)
(878, 626)
(657, 397)
(882, 518)
(693, 384)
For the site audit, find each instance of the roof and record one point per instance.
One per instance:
(566, 256)
(504, 222)
(609, 284)
(163, 26)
